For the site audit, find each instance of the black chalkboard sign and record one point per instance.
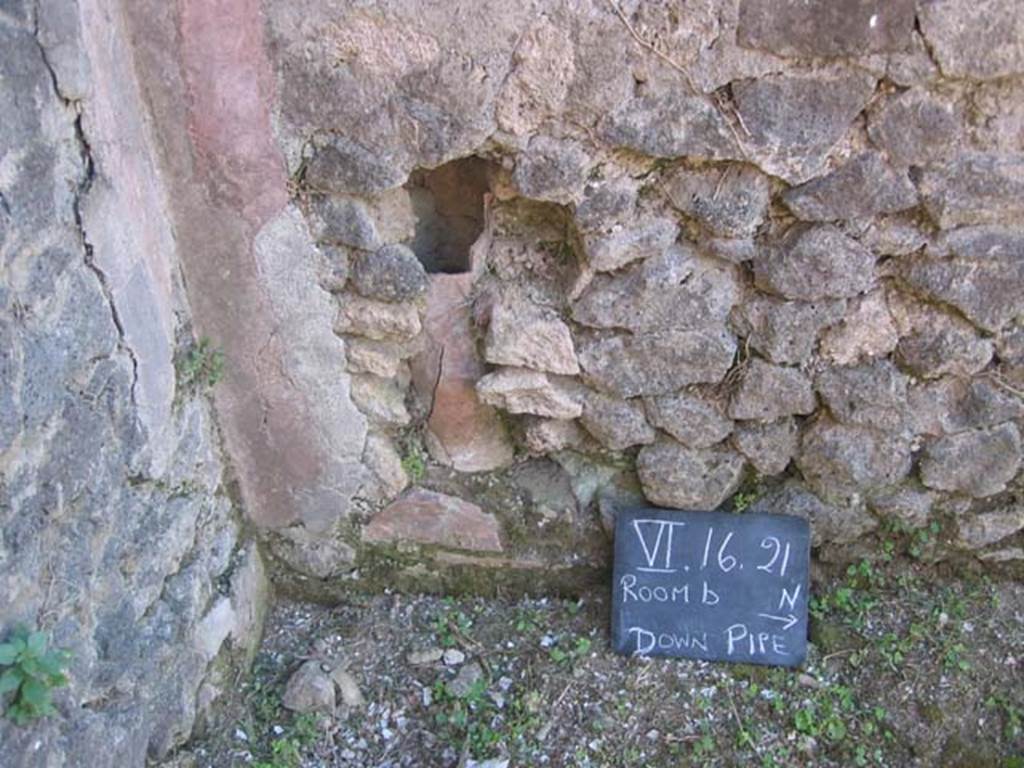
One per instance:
(711, 585)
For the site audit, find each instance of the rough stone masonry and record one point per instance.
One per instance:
(738, 245)
(482, 273)
(117, 534)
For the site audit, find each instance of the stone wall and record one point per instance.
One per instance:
(116, 533)
(738, 246)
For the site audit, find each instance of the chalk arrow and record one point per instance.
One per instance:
(787, 621)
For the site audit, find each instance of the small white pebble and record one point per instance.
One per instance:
(807, 681)
(241, 735)
(454, 656)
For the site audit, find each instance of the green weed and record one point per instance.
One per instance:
(574, 653)
(741, 501)
(414, 462)
(31, 671)
(468, 721)
(855, 599)
(922, 538)
(451, 625)
(1013, 716)
(200, 367)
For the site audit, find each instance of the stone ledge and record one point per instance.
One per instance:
(428, 517)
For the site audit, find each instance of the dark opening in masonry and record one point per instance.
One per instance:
(449, 205)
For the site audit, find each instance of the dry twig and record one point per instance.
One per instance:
(645, 43)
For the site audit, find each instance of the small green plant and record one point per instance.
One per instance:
(705, 747)
(305, 728)
(953, 658)
(528, 620)
(951, 604)
(894, 649)
(523, 718)
(414, 462)
(888, 550)
(1013, 716)
(778, 757)
(286, 750)
(279, 739)
(864, 575)
(574, 653)
(811, 721)
(829, 714)
(200, 367)
(31, 672)
(855, 599)
(467, 720)
(741, 501)
(918, 541)
(284, 753)
(451, 625)
(921, 538)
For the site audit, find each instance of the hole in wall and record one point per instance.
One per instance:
(448, 202)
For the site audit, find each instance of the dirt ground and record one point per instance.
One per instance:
(905, 669)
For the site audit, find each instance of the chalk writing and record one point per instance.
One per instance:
(651, 552)
(738, 632)
(647, 641)
(711, 585)
(789, 599)
(767, 543)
